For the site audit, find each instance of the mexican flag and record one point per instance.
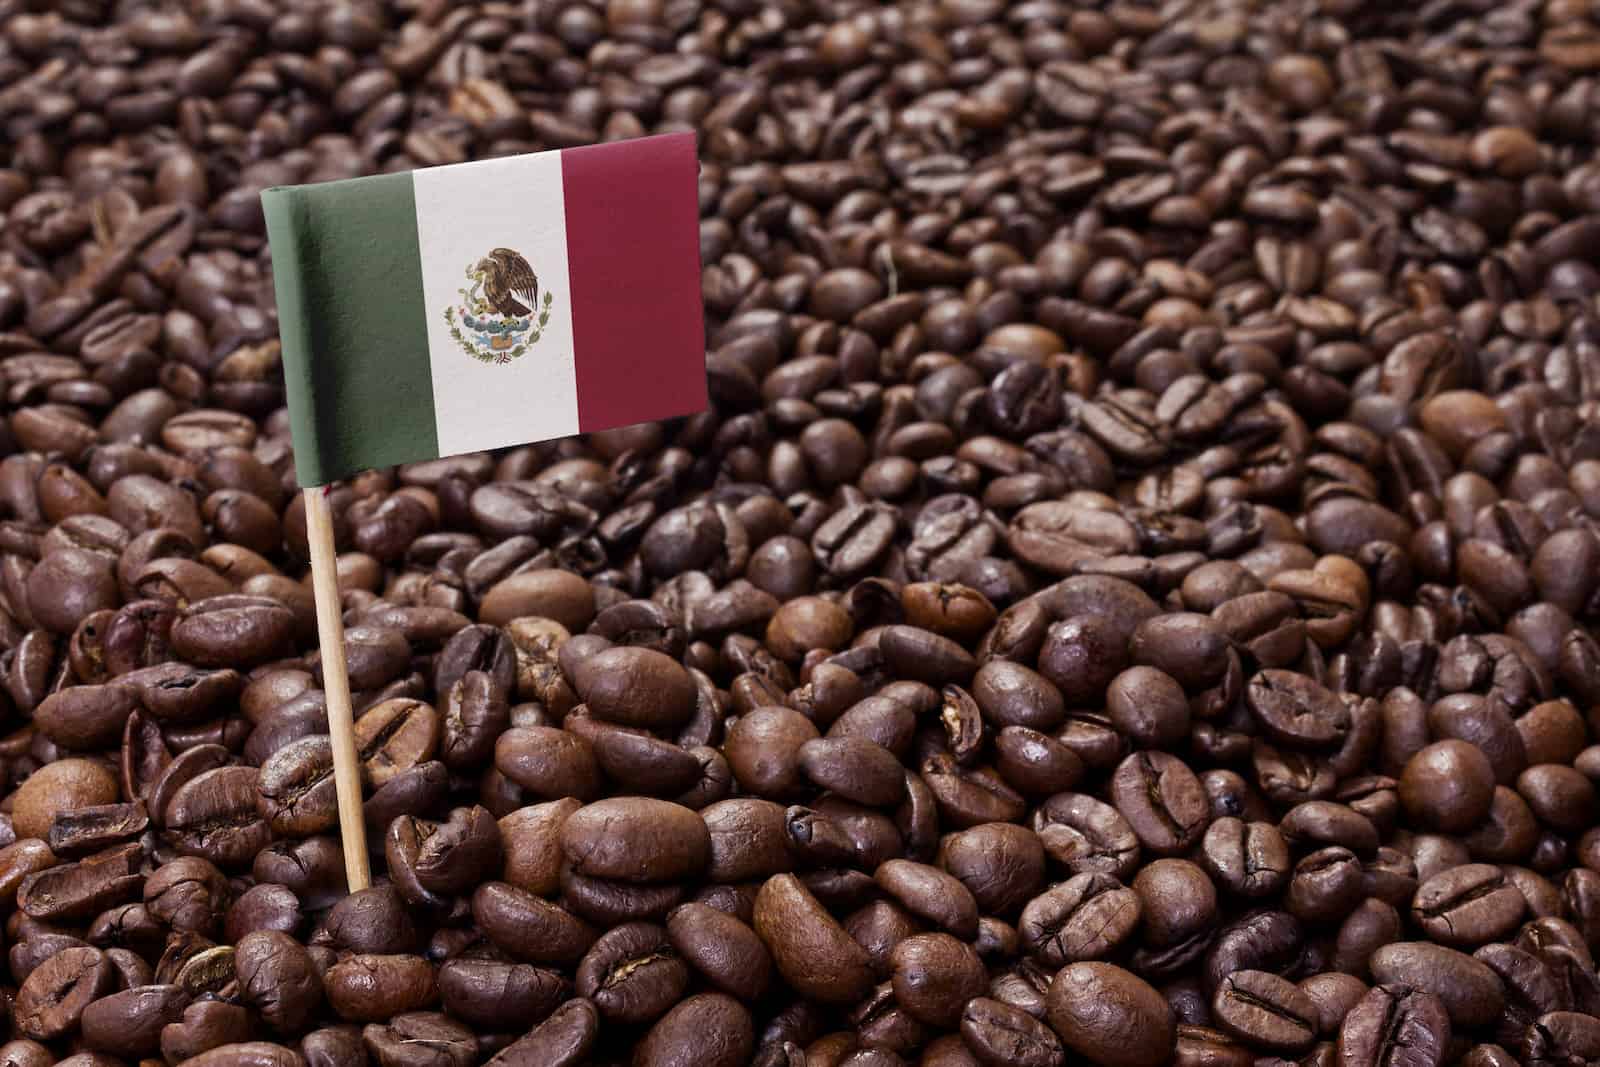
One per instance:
(487, 304)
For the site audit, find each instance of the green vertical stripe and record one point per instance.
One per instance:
(348, 275)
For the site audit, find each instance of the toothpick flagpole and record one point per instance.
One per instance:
(336, 686)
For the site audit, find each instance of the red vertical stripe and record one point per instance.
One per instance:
(633, 258)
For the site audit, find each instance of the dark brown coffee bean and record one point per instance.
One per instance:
(724, 950)
(854, 768)
(368, 988)
(934, 976)
(636, 687)
(1265, 1011)
(53, 998)
(547, 762)
(636, 839)
(1177, 902)
(930, 893)
(1089, 916)
(1110, 1015)
(232, 631)
(214, 816)
(1087, 835)
(1002, 865)
(1247, 858)
(1448, 786)
(1472, 994)
(1468, 905)
(763, 748)
(562, 1040)
(1162, 800)
(129, 1022)
(529, 927)
(707, 1028)
(1393, 1021)
(296, 788)
(812, 952)
(998, 1034)
(1296, 711)
(83, 889)
(486, 992)
(405, 1036)
(87, 717)
(203, 1026)
(60, 786)
(632, 973)
(394, 736)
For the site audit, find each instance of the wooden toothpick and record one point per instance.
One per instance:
(336, 686)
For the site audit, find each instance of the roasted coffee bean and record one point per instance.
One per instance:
(931, 894)
(372, 920)
(64, 785)
(266, 906)
(1089, 916)
(487, 992)
(229, 631)
(547, 762)
(707, 1028)
(1260, 940)
(91, 829)
(632, 973)
(998, 1034)
(445, 1040)
(1296, 711)
(367, 988)
(1334, 994)
(394, 736)
(811, 951)
(530, 842)
(129, 1022)
(1468, 905)
(81, 890)
(1395, 1021)
(636, 840)
(1250, 859)
(205, 1025)
(1001, 865)
(562, 1040)
(636, 687)
(53, 998)
(1265, 1011)
(1448, 786)
(188, 895)
(763, 749)
(1161, 799)
(87, 717)
(1472, 994)
(296, 788)
(1324, 885)
(529, 927)
(723, 949)
(1177, 902)
(934, 976)
(1110, 1015)
(214, 816)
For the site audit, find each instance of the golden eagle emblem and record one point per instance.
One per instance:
(506, 276)
(502, 314)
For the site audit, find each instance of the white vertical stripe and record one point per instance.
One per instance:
(464, 212)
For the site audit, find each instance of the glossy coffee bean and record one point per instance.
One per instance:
(1108, 1014)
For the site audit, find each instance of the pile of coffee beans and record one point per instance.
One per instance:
(1129, 602)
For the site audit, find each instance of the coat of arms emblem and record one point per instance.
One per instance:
(502, 313)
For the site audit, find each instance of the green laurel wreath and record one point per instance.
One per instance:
(489, 356)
